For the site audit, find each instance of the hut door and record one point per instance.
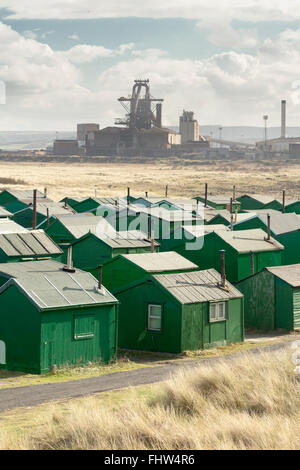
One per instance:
(47, 357)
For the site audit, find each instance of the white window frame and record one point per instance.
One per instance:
(150, 316)
(217, 317)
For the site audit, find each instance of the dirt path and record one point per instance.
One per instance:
(37, 394)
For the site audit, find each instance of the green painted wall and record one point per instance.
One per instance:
(58, 232)
(248, 203)
(291, 242)
(133, 315)
(295, 207)
(284, 305)
(25, 218)
(259, 301)
(36, 340)
(218, 206)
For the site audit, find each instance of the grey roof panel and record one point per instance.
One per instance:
(27, 243)
(159, 262)
(245, 241)
(9, 226)
(4, 212)
(81, 224)
(289, 273)
(197, 286)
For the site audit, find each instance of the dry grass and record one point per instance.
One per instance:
(249, 403)
(112, 179)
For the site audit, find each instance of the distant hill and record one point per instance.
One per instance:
(30, 140)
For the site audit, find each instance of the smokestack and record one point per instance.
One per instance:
(283, 201)
(34, 210)
(252, 261)
(283, 119)
(45, 193)
(69, 267)
(166, 191)
(269, 227)
(100, 277)
(48, 218)
(158, 115)
(223, 275)
(205, 196)
(146, 193)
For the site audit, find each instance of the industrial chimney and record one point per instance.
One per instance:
(283, 119)
(158, 115)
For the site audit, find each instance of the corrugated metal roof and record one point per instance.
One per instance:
(219, 199)
(26, 195)
(263, 211)
(159, 262)
(289, 273)
(4, 212)
(227, 216)
(55, 208)
(9, 226)
(120, 241)
(281, 223)
(169, 215)
(48, 286)
(34, 243)
(245, 241)
(81, 224)
(197, 286)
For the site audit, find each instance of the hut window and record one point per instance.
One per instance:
(217, 311)
(154, 317)
(84, 326)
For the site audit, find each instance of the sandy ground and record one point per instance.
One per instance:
(80, 179)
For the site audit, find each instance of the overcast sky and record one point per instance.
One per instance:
(68, 61)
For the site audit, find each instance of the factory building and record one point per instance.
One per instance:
(188, 127)
(83, 130)
(66, 147)
(140, 131)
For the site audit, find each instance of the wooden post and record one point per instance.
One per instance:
(283, 201)
(205, 196)
(34, 210)
(128, 196)
(231, 221)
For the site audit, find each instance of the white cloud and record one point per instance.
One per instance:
(74, 36)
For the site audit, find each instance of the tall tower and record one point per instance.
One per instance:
(283, 119)
(188, 127)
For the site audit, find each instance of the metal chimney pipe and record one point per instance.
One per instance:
(252, 261)
(166, 193)
(45, 193)
(269, 227)
(223, 275)
(231, 221)
(236, 214)
(234, 193)
(231, 205)
(100, 276)
(128, 196)
(149, 227)
(205, 196)
(283, 119)
(34, 210)
(69, 267)
(146, 193)
(48, 217)
(283, 201)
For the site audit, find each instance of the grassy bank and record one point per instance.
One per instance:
(251, 402)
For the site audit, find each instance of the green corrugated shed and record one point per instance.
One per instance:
(68, 228)
(90, 251)
(177, 312)
(205, 251)
(72, 201)
(257, 201)
(285, 228)
(24, 217)
(219, 202)
(126, 269)
(52, 317)
(272, 298)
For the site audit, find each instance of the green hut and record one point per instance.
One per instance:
(68, 228)
(178, 312)
(22, 195)
(285, 228)
(242, 248)
(24, 217)
(49, 317)
(272, 298)
(126, 269)
(72, 201)
(90, 250)
(258, 201)
(224, 218)
(219, 202)
(22, 246)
